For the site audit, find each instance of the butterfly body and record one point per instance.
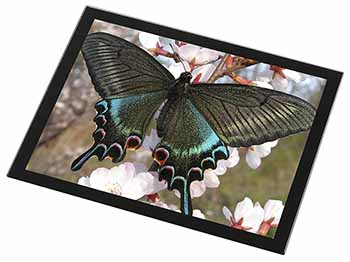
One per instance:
(196, 122)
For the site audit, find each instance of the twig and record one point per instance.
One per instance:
(221, 70)
(218, 69)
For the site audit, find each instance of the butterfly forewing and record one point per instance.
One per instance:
(244, 115)
(119, 68)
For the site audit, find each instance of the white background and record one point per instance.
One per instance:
(44, 225)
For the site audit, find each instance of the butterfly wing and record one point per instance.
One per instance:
(247, 115)
(132, 84)
(119, 68)
(121, 124)
(187, 148)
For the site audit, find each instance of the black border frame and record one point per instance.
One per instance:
(277, 244)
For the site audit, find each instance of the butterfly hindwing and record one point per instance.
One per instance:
(188, 147)
(119, 68)
(247, 115)
(121, 124)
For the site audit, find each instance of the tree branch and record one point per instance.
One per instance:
(223, 69)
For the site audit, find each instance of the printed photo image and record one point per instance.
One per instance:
(181, 127)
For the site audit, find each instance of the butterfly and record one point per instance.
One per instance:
(196, 122)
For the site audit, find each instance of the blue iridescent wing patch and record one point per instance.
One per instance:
(121, 125)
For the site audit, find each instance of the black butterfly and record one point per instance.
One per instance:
(196, 123)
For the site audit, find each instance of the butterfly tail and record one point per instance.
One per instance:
(80, 161)
(183, 186)
(186, 203)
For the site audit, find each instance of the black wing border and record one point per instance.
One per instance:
(278, 244)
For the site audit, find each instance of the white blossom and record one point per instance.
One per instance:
(273, 210)
(196, 55)
(123, 180)
(280, 84)
(257, 152)
(272, 214)
(247, 216)
(198, 213)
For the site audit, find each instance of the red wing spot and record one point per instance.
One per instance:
(115, 151)
(166, 173)
(99, 134)
(100, 120)
(195, 173)
(133, 142)
(101, 107)
(208, 163)
(218, 154)
(161, 155)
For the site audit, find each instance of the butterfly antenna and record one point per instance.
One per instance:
(178, 57)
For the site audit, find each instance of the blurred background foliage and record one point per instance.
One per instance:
(68, 134)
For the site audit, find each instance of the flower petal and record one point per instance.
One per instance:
(243, 208)
(254, 218)
(273, 209)
(233, 158)
(148, 40)
(279, 83)
(253, 159)
(198, 213)
(140, 185)
(227, 213)
(122, 174)
(133, 190)
(188, 52)
(156, 185)
(220, 167)
(205, 55)
(99, 178)
(210, 179)
(197, 188)
(265, 149)
(84, 181)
